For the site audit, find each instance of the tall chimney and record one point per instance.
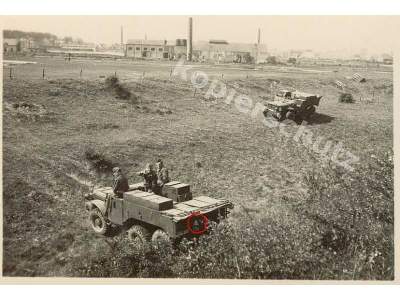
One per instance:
(122, 36)
(189, 48)
(122, 41)
(258, 44)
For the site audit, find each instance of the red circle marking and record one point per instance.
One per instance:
(197, 215)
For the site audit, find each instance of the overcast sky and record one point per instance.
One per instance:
(320, 33)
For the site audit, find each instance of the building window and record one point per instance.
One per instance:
(160, 49)
(145, 48)
(137, 48)
(129, 48)
(153, 49)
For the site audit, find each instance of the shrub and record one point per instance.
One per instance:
(112, 83)
(354, 212)
(98, 161)
(122, 92)
(346, 98)
(272, 60)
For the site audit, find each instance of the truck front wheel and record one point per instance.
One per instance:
(98, 222)
(309, 111)
(280, 116)
(290, 115)
(138, 235)
(161, 239)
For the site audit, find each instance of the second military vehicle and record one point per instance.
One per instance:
(150, 218)
(292, 105)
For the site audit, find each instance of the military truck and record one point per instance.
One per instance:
(293, 105)
(153, 219)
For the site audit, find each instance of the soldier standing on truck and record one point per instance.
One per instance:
(120, 184)
(162, 176)
(150, 178)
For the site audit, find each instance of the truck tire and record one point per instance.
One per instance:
(290, 115)
(160, 239)
(98, 222)
(139, 235)
(309, 111)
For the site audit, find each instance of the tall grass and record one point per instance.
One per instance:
(343, 230)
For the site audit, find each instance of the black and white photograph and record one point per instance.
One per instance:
(198, 147)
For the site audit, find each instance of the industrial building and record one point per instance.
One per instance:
(221, 51)
(213, 51)
(150, 49)
(217, 51)
(10, 46)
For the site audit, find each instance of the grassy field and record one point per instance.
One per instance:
(295, 217)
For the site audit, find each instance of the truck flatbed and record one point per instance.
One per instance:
(147, 212)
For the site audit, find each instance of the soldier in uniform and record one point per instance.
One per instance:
(120, 184)
(150, 178)
(162, 175)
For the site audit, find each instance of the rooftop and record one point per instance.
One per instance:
(10, 42)
(218, 42)
(146, 42)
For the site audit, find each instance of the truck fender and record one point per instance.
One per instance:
(101, 205)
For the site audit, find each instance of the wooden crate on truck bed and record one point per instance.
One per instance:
(177, 191)
(148, 200)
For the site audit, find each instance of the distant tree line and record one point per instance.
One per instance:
(36, 36)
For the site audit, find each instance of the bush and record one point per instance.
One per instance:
(98, 161)
(122, 92)
(354, 212)
(272, 60)
(346, 98)
(112, 83)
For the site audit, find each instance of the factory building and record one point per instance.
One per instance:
(213, 51)
(221, 51)
(148, 49)
(10, 45)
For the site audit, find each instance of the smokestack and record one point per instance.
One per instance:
(122, 36)
(258, 44)
(190, 40)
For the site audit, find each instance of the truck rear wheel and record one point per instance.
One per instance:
(139, 235)
(98, 222)
(160, 239)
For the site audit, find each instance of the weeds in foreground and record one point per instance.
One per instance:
(344, 230)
